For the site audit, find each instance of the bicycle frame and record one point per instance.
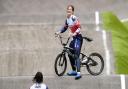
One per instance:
(67, 49)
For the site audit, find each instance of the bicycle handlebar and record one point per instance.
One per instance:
(64, 44)
(60, 38)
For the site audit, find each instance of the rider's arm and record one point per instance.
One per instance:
(76, 32)
(64, 28)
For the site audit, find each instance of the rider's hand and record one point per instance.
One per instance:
(72, 34)
(57, 33)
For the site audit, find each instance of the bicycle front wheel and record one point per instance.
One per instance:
(95, 64)
(60, 64)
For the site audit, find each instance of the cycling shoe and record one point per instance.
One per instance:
(72, 73)
(78, 76)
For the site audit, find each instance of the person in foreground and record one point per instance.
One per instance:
(73, 24)
(38, 82)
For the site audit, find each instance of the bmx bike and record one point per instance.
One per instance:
(94, 62)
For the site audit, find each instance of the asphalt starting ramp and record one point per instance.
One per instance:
(67, 82)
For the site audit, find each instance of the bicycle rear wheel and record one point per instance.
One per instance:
(60, 64)
(95, 64)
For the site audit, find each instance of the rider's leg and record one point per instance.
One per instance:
(72, 60)
(78, 45)
(77, 53)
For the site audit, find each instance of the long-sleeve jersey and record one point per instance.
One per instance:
(73, 23)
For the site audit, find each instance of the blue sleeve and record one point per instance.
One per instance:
(64, 28)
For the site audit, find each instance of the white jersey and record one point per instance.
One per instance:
(38, 86)
(72, 20)
(73, 23)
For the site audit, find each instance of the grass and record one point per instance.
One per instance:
(126, 24)
(119, 40)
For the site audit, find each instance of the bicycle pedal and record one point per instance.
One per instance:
(84, 61)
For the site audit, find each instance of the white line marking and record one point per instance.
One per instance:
(97, 28)
(107, 53)
(122, 81)
(97, 17)
(97, 20)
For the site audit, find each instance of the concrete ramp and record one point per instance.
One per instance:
(26, 49)
(54, 82)
(28, 44)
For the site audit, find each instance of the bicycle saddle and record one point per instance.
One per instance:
(88, 39)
